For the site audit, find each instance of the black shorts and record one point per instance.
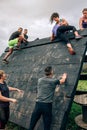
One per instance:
(4, 116)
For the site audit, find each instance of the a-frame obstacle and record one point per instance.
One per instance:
(27, 65)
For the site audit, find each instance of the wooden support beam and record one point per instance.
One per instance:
(83, 77)
(85, 59)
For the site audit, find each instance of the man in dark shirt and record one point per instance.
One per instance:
(14, 40)
(16, 34)
(45, 93)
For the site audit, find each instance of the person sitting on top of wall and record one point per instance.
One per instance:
(59, 31)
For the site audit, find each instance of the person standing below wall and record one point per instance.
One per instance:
(45, 93)
(59, 31)
(14, 40)
(5, 100)
(83, 19)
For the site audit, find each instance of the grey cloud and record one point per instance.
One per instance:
(35, 14)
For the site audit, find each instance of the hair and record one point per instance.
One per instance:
(20, 28)
(85, 9)
(54, 15)
(1, 73)
(48, 70)
(25, 29)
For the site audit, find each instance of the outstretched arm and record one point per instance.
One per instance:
(14, 89)
(5, 99)
(63, 78)
(80, 24)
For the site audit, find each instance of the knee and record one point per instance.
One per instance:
(10, 51)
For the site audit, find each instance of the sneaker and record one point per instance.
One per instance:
(78, 37)
(17, 48)
(71, 51)
(5, 61)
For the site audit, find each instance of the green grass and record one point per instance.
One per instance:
(84, 68)
(82, 85)
(12, 126)
(75, 110)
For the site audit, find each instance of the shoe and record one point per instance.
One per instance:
(5, 61)
(26, 43)
(17, 48)
(71, 51)
(78, 37)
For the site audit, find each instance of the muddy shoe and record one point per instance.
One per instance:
(71, 51)
(5, 61)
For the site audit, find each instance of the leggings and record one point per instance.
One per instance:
(4, 116)
(61, 32)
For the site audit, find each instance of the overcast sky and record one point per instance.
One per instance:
(34, 15)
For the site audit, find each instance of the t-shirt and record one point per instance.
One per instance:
(45, 89)
(5, 92)
(25, 36)
(14, 35)
(84, 24)
(54, 30)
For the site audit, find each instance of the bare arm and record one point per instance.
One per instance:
(52, 37)
(80, 24)
(5, 99)
(14, 89)
(24, 39)
(63, 78)
(63, 22)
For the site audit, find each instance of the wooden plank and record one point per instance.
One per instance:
(83, 77)
(85, 58)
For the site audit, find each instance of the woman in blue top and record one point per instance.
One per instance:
(83, 20)
(59, 31)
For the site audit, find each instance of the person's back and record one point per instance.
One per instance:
(45, 93)
(45, 89)
(16, 34)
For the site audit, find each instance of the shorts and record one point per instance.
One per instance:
(13, 42)
(4, 116)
